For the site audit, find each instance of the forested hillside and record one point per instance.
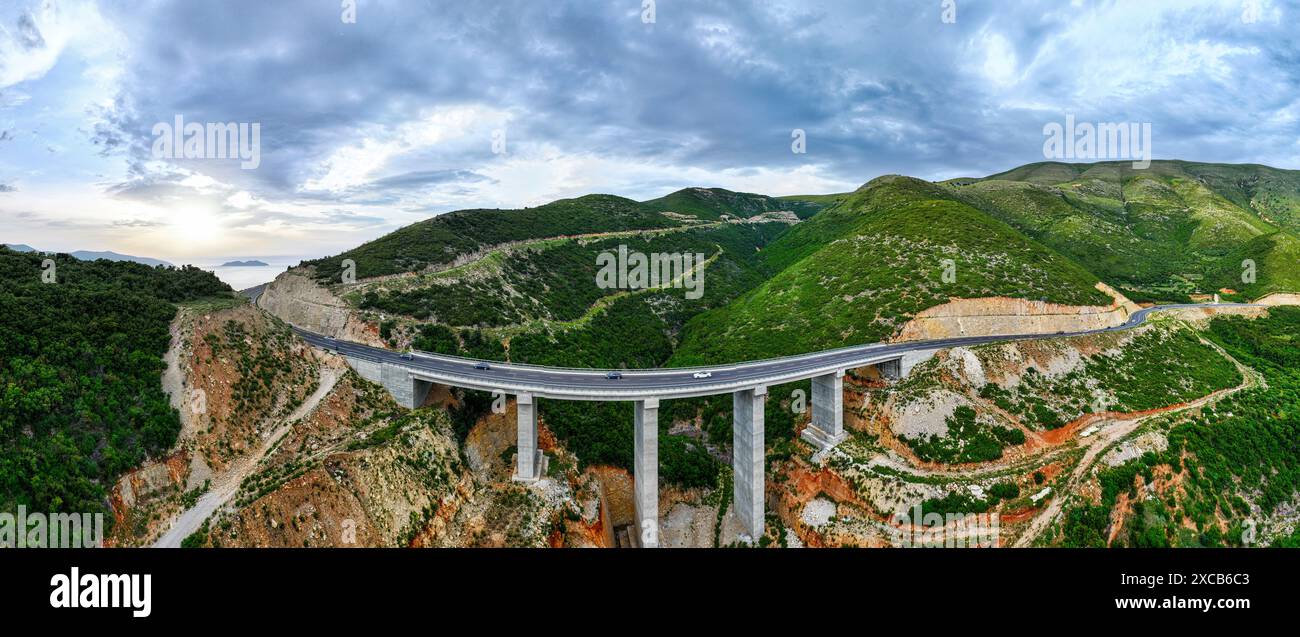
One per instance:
(1238, 464)
(857, 271)
(442, 239)
(855, 268)
(1162, 233)
(713, 203)
(80, 362)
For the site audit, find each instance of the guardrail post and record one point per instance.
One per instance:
(827, 427)
(645, 471)
(528, 463)
(747, 459)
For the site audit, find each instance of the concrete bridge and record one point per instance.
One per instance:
(409, 381)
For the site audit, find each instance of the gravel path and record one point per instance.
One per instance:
(227, 483)
(1103, 440)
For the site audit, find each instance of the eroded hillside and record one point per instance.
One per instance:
(1082, 441)
(286, 446)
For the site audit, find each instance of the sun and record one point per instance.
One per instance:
(193, 224)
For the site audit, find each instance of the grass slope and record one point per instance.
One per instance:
(712, 203)
(1174, 229)
(444, 238)
(872, 262)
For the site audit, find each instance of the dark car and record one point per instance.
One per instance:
(406, 356)
(482, 366)
(614, 375)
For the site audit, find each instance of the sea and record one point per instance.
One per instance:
(247, 276)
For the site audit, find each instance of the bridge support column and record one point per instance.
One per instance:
(747, 459)
(645, 471)
(891, 369)
(528, 463)
(406, 389)
(827, 427)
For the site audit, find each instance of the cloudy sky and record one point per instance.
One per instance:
(370, 125)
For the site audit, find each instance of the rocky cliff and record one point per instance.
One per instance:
(299, 300)
(1001, 315)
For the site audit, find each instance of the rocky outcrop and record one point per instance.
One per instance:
(1002, 315)
(300, 301)
(1280, 298)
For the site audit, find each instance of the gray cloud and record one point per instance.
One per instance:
(713, 89)
(425, 178)
(714, 84)
(136, 223)
(29, 36)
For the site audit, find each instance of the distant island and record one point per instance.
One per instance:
(243, 264)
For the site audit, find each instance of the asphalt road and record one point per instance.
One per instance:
(592, 384)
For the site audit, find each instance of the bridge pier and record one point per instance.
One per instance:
(891, 369)
(409, 391)
(827, 427)
(645, 471)
(747, 459)
(528, 458)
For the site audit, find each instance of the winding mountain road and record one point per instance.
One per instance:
(666, 383)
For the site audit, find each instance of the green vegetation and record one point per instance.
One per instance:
(969, 439)
(1163, 365)
(80, 359)
(442, 239)
(712, 203)
(640, 329)
(1237, 457)
(1246, 445)
(601, 434)
(859, 270)
(955, 502)
(1162, 233)
(555, 281)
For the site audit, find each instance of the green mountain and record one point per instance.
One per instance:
(445, 238)
(1174, 229)
(857, 271)
(91, 255)
(712, 203)
(858, 266)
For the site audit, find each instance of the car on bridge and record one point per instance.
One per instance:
(614, 375)
(702, 375)
(482, 366)
(406, 356)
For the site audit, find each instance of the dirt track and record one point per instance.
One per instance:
(226, 484)
(1111, 434)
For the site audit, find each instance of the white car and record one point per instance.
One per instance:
(703, 375)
